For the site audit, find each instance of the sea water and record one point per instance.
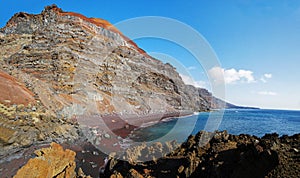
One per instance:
(236, 121)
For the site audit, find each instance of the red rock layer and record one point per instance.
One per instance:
(13, 92)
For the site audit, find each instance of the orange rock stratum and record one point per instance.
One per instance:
(50, 162)
(13, 92)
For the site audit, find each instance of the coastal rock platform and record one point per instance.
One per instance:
(225, 155)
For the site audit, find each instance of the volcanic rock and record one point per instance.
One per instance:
(57, 67)
(61, 72)
(50, 162)
(77, 65)
(224, 155)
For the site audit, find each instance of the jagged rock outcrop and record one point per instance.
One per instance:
(50, 162)
(224, 156)
(23, 125)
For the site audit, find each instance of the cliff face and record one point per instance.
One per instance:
(14, 92)
(56, 67)
(75, 65)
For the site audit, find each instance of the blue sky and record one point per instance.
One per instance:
(257, 42)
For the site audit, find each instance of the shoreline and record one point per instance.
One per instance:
(88, 156)
(141, 120)
(122, 125)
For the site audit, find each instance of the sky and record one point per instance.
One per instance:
(257, 42)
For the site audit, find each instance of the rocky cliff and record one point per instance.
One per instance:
(57, 68)
(216, 103)
(74, 65)
(58, 65)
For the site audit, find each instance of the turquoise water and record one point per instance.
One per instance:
(254, 122)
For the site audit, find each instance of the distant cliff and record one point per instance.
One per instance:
(217, 103)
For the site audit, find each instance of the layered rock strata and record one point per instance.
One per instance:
(59, 68)
(79, 65)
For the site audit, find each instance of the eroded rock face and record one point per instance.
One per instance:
(224, 156)
(57, 66)
(14, 92)
(76, 65)
(22, 126)
(50, 162)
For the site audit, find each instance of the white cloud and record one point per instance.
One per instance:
(263, 80)
(192, 68)
(190, 81)
(268, 75)
(231, 76)
(200, 84)
(265, 77)
(270, 93)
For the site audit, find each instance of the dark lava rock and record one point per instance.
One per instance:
(224, 155)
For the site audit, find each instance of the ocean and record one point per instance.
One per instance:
(236, 121)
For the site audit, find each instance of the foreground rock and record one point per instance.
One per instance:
(224, 155)
(51, 162)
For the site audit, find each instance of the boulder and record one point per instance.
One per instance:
(50, 162)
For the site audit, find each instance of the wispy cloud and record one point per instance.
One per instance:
(268, 75)
(191, 68)
(231, 76)
(190, 81)
(265, 77)
(263, 80)
(270, 93)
